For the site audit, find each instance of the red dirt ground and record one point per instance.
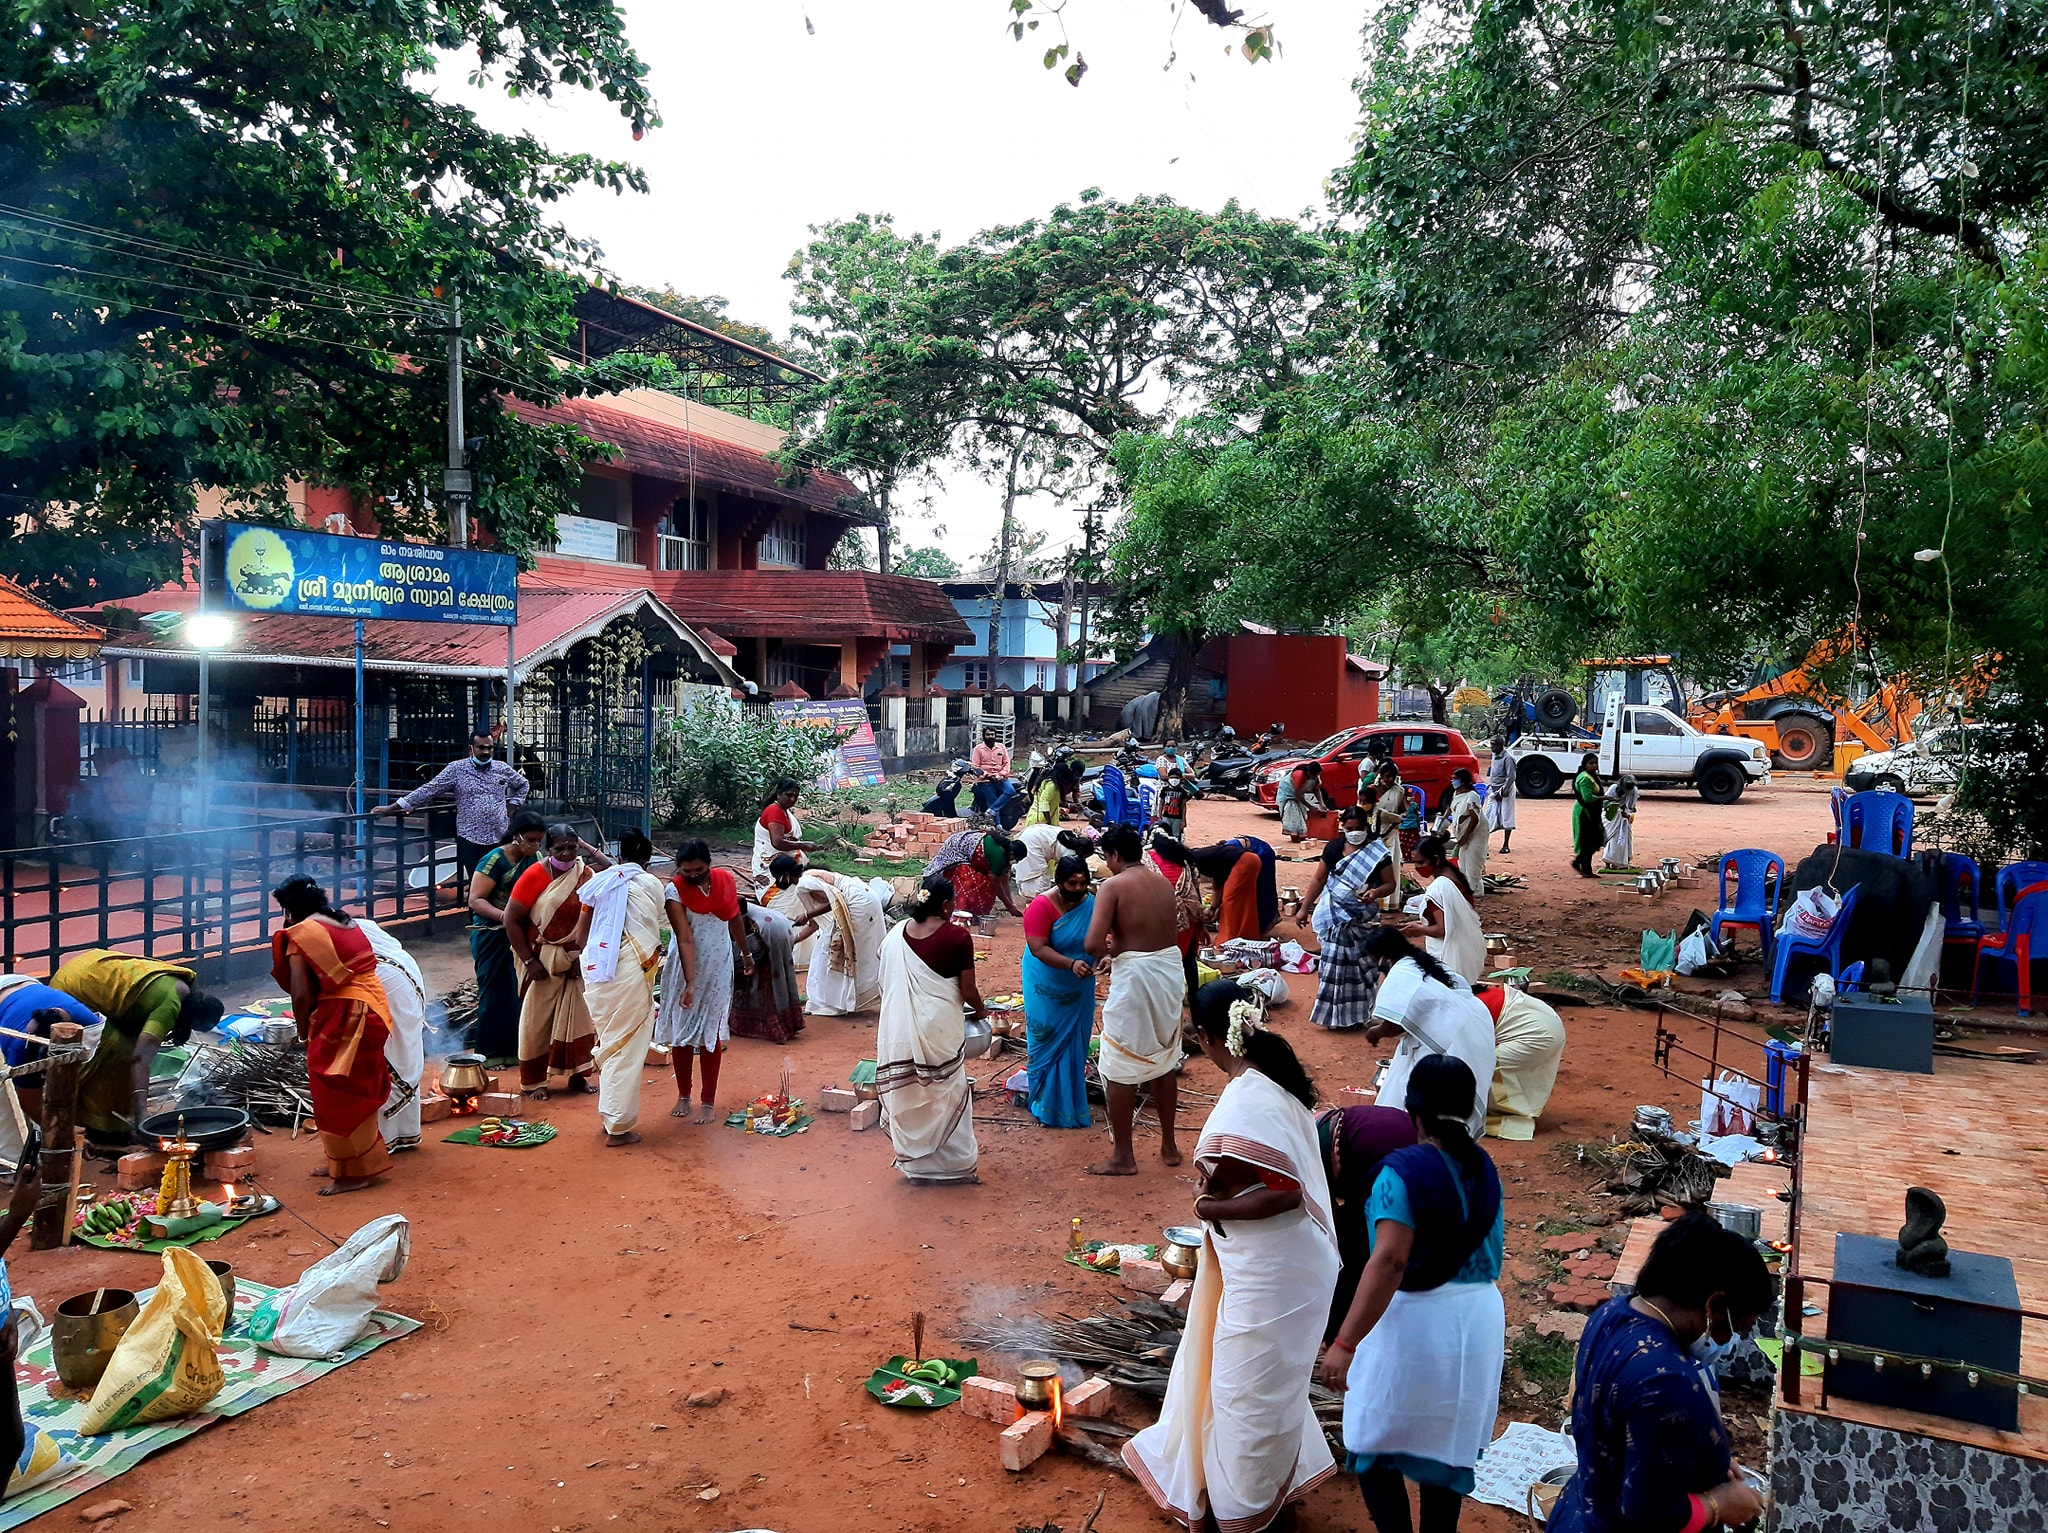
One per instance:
(577, 1296)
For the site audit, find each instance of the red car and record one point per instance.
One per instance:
(1427, 754)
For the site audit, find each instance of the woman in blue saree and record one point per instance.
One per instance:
(1059, 997)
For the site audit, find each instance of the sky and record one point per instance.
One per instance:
(930, 111)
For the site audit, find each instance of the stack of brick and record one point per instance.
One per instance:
(917, 836)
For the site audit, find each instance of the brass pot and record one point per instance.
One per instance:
(1034, 1385)
(1182, 1251)
(86, 1330)
(225, 1271)
(464, 1073)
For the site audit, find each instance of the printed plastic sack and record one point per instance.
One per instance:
(1268, 982)
(1812, 914)
(165, 1366)
(1728, 1105)
(41, 1458)
(328, 1309)
(1660, 952)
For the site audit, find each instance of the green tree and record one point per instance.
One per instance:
(861, 296)
(928, 563)
(230, 239)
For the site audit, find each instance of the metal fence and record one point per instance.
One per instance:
(200, 896)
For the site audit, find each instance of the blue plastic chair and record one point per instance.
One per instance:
(2012, 878)
(1879, 821)
(1852, 978)
(1962, 886)
(2015, 945)
(1759, 879)
(1827, 949)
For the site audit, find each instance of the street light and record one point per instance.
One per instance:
(206, 632)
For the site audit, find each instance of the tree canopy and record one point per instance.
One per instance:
(231, 238)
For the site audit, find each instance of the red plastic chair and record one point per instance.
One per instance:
(2015, 945)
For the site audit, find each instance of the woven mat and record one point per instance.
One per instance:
(253, 1377)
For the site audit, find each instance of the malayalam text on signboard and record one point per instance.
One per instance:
(285, 569)
(856, 760)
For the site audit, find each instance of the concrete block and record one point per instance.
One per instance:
(989, 1399)
(1025, 1441)
(836, 1099)
(1089, 1401)
(141, 1170)
(865, 1115)
(434, 1107)
(499, 1104)
(1147, 1277)
(1176, 1297)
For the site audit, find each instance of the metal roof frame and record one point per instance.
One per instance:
(609, 323)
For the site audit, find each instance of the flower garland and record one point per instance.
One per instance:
(1246, 1017)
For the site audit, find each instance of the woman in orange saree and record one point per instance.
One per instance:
(325, 962)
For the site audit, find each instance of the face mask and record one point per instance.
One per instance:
(1356, 837)
(561, 864)
(1710, 1353)
(481, 762)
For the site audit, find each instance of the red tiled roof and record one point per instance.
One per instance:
(549, 622)
(665, 452)
(32, 629)
(830, 605)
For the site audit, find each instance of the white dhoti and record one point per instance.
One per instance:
(405, 1050)
(921, 1067)
(1426, 1379)
(1434, 1019)
(1237, 1437)
(1141, 1029)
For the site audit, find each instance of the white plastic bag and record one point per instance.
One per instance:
(328, 1309)
(1812, 914)
(1268, 982)
(1694, 953)
(1728, 1106)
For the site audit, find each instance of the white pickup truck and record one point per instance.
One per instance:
(1656, 746)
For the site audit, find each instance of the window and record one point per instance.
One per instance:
(974, 676)
(1436, 745)
(687, 545)
(1650, 722)
(1412, 745)
(604, 499)
(85, 672)
(783, 542)
(134, 673)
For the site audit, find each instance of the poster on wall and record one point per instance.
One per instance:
(856, 761)
(292, 570)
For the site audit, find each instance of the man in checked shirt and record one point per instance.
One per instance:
(485, 790)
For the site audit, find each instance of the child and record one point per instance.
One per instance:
(1172, 818)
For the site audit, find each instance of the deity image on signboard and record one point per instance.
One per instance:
(260, 568)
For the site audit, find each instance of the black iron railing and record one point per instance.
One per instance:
(200, 896)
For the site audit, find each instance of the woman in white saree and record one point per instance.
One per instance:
(921, 1043)
(405, 1050)
(627, 907)
(1435, 1012)
(839, 922)
(1237, 1439)
(1447, 922)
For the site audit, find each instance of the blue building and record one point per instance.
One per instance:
(1029, 622)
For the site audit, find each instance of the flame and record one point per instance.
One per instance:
(227, 1192)
(1780, 1245)
(1058, 1402)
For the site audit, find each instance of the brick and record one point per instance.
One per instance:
(499, 1104)
(1177, 1296)
(865, 1115)
(140, 1170)
(1597, 1267)
(1089, 1401)
(1569, 1245)
(989, 1399)
(836, 1099)
(230, 1165)
(434, 1107)
(1145, 1276)
(1025, 1441)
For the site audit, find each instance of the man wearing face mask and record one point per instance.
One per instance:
(1654, 1453)
(485, 790)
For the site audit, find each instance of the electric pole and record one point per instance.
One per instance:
(1081, 647)
(457, 483)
